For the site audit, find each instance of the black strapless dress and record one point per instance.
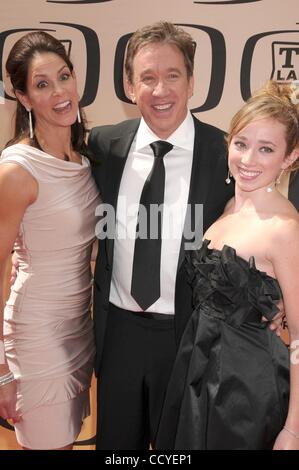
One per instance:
(229, 387)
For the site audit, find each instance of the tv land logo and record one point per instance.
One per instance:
(62, 31)
(217, 74)
(284, 54)
(216, 78)
(285, 58)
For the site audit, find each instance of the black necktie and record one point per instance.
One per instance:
(145, 287)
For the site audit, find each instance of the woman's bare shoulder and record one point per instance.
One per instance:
(16, 183)
(286, 227)
(13, 172)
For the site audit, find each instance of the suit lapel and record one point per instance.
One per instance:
(199, 186)
(119, 150)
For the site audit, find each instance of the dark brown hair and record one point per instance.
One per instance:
(17, 64)
(161, 32)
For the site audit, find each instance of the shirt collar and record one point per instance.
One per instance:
(182, 137)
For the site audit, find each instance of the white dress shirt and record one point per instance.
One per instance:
(178, 165)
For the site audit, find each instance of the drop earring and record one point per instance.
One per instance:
(30, 124)
(278, 179)
(228, 180)
(276, 182)
(79, 116)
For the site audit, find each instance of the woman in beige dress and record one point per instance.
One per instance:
(47, 211)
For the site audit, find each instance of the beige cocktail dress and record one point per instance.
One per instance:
(48, 330)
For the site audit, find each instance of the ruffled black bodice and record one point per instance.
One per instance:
(231, 287)
(229, 387)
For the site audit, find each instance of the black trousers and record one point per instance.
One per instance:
(139, 352)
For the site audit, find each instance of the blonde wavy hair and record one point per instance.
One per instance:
(276, 101)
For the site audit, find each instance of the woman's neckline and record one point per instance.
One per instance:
(250, 262)
(66, 162)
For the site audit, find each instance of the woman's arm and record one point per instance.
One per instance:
(286, 266)
(18, 190)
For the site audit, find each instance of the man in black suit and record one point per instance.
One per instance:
(136, 345)
(136, 339)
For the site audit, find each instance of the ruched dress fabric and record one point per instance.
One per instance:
(48, 330)
(229, 387)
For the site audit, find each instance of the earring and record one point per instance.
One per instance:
(30, 124)
(79, 116)
(278, 179)
(228, 180)
(276, 182)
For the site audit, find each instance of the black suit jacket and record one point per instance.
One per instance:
(111, 145)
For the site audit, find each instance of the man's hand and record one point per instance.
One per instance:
(277, 322)
(14, 269)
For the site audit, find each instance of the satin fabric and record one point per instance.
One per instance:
(48, 330)
(229, 387)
